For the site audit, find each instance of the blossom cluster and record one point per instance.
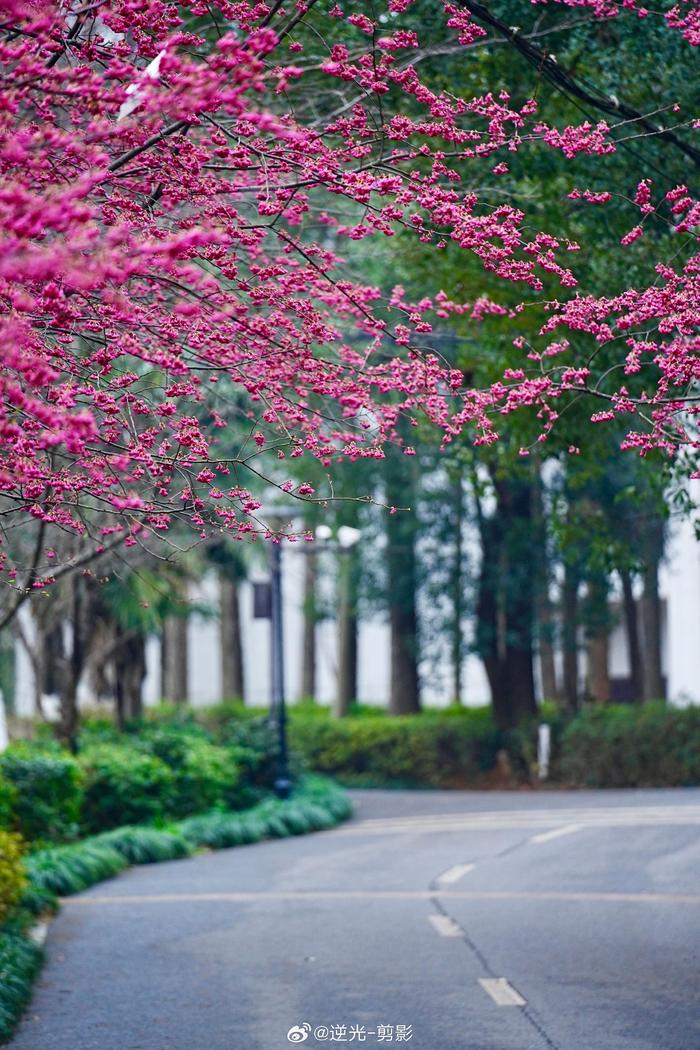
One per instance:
(170, 309)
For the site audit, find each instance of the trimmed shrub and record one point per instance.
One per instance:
(64, 870)
(629, 746)
(146, 845)
(8, 801)
(123, 785)
(317, 804)
(12, 876)
(204, 775)
(253, 741)
(19, 962)
(432, 750)
(49, 791)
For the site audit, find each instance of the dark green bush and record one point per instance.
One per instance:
(49, 786)
(8, 800)
(316, 804)
(19, 962)
(629, 746)
(123, 785)
(146, 845)
(205, 775)
(69, 869)
(253, 741)
(435, 750)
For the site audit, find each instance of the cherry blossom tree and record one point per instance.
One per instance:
(182, 189)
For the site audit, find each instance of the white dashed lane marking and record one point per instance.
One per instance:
(502, 993)
(445, 926)
(556, 833)
(544, 819)
(455, 873)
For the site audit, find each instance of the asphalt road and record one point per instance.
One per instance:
(439, 920)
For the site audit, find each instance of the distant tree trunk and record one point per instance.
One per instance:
(598, 673)
(651, 622)
(544, 614)
(129, 675)
(569, 637)
(232, 675)
(548, 670)
(505, 604)
(634, 651)
(67, 728)
(402, 565)
(347, 633)
(35, 654)
(598, 631)
(457, 588)
(308, 642)
(175, 659)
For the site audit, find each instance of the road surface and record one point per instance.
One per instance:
(438, 920)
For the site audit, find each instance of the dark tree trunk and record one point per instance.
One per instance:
(68, 714)
(548, 670)
(129, 675)
(569, 637)
(175, 659)
(308, 642)
(232, 675)
(457, 589)
(598, 668)
(651, 622)
(347, 633)
(598, 624)
(634, 650)
(404, 696)
(505, 604)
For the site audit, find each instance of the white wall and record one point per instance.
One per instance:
(680, 585)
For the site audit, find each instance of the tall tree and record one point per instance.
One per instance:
(401, 493)
(506, 598)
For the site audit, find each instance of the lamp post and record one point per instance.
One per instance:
(347, 538)
(283, 784)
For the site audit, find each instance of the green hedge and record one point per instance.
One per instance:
(430, 749)
(125, 786)
(204, 775)
(8, 802)
(19, 962)
(652, 745)
(48, 786)
(317, 804)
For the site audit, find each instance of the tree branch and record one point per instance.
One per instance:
(565, 82)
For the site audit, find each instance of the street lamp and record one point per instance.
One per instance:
(278, 517)
(283, 784)
(347, 538)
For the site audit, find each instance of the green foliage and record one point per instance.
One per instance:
(316, 804)
(19, 962)
(204, 775)
(64, 870)
(125, 786)
(37, 900)
(146, 845)
(432, 750)
(253, 741)
(49, 786)
(626, 746)
(8, 801)
(12, 877)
